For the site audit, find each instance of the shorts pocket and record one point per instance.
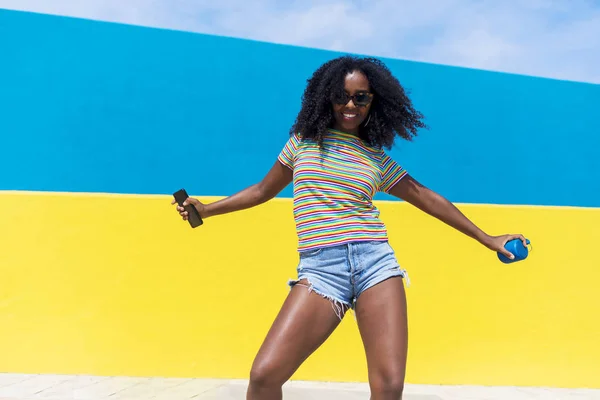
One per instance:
(311, 252)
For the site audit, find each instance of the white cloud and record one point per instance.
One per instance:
(551, 38)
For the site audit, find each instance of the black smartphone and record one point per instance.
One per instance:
(193, 215)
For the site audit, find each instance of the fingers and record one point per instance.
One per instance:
(507, 239)
(190, 200)
(181, 209)
(507, 253)
(518, 236)
(182, 212)
(503, 250)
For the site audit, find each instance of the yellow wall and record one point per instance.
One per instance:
(119, 285)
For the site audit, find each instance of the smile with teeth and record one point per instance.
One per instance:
(349, 115)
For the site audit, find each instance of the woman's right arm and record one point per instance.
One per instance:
(274, 182)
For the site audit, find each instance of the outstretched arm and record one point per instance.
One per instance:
(278, 177)
(411, 191)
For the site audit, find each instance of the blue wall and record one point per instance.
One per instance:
(90, 106)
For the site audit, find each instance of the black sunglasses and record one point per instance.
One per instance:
(359, 99)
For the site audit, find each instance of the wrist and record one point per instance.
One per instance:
(483, 238)
(207, 211)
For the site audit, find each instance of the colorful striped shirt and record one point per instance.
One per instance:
(334, 189)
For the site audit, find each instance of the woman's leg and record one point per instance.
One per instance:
(305, 321)
(382, 321)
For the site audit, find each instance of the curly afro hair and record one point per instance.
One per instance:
(392, 112)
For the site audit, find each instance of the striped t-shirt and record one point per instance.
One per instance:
(334, 189)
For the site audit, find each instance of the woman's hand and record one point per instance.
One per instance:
(497, 243)
(196, 203)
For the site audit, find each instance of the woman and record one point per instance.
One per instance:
(351, 109)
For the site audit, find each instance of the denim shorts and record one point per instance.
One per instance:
(341, 273)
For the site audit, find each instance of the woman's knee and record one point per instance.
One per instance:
(265, 373)
(387, 385)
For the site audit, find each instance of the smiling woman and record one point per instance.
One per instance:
(351, 108)
(349, 115)
(379, 110)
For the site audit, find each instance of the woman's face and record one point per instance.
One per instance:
(351, 110)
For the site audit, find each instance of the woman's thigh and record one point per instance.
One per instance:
(381, 314)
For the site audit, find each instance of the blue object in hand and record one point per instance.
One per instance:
(517, 249)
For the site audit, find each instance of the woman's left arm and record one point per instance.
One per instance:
(411, 191)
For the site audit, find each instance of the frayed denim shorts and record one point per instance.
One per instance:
(341, 273)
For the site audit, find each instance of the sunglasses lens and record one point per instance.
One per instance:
(341, 98)
(362, 99)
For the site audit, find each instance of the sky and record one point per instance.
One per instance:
(550, 38)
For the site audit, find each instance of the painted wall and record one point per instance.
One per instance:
(99, 123)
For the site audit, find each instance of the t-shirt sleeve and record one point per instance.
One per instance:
(391, 173)
(288, 153)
